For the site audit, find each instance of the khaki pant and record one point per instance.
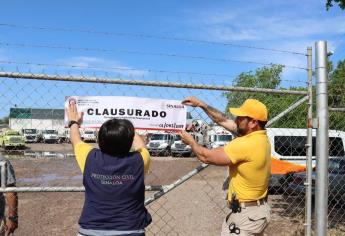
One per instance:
(251, 220)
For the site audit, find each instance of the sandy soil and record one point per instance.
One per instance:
(196, 207)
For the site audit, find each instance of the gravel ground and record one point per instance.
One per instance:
(197, 207)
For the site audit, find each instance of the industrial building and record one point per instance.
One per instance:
(40, 119)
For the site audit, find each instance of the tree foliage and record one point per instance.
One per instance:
(341, 4)
(4, 120)
(270, 77)
(336, 90)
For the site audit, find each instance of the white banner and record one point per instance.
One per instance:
(144, 113)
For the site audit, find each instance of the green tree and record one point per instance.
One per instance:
(270, 77)
(4, 120)
(336, 99)
(329, 4)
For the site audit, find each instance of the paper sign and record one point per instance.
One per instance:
(144, 113)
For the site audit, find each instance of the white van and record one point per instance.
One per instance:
(289, 144)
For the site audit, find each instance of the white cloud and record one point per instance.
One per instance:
(268, 20)
(100, 64)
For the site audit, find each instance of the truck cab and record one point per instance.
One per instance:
(217, 136)
(179, 148)
(30, 135)
(89, 135)
(160, 143)
(50, 136)
(11, 139)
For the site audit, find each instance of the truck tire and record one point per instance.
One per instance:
(167, 152)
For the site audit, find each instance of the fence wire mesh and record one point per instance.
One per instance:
(336, 169)
(183, 197)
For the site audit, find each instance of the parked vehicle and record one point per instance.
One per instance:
(31, 135)
(178, 148)
(64, 136)
(336, 183)
(50, 136)
(12, 139)
(160, 143)
(89, 135)
(289, 144)
(217, 136)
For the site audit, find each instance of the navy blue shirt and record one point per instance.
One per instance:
(114, 192)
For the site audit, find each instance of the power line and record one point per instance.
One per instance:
(127, 69)
(120, 34)
(144, 53)
(113, 68)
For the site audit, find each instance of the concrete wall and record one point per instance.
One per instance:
(40, 124)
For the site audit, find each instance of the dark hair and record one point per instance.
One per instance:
(115, 137)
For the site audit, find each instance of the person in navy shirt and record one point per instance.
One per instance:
(113, 178)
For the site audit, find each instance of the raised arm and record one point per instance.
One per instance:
(73, 115)
(216, 156)
(218, 117)
(12, 203)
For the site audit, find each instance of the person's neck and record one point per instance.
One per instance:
(253, 130)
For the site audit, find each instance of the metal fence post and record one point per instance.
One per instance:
(309, 145)
(322, 142)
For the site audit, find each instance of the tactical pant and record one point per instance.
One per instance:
(251, 220)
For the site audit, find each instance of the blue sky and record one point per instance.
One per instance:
(285, 25)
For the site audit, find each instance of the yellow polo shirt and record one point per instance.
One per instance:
(82, 149)
(251, 169)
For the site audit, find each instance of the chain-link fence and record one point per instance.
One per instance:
(183, 196)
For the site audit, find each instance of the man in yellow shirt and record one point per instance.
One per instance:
(249, 160)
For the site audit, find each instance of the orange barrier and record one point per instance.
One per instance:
(284, 167)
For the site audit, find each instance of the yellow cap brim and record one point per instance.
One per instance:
(237, 112)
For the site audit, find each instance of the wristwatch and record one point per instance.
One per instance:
(13, 218)
(71, 122)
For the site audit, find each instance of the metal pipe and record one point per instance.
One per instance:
(309, 147)
(286, 111)
(337, 109)
(322, 138)
(168, 188)
(145, 83)
(61, 189)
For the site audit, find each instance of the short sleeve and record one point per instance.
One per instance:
(236, 151)
(81, 151)
(146, 158)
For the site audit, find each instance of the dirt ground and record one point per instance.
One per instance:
(197, 207)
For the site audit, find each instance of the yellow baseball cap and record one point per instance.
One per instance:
(252, 108)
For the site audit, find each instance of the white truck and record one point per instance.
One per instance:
(30, 135)
(179, 148)
(160, 143)
(50, 136)
(217, 136)
(89, 135)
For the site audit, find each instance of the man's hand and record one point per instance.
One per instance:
(138, 142)
(11, 226)
(73, 114)
(193, 101)
(186, 137)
